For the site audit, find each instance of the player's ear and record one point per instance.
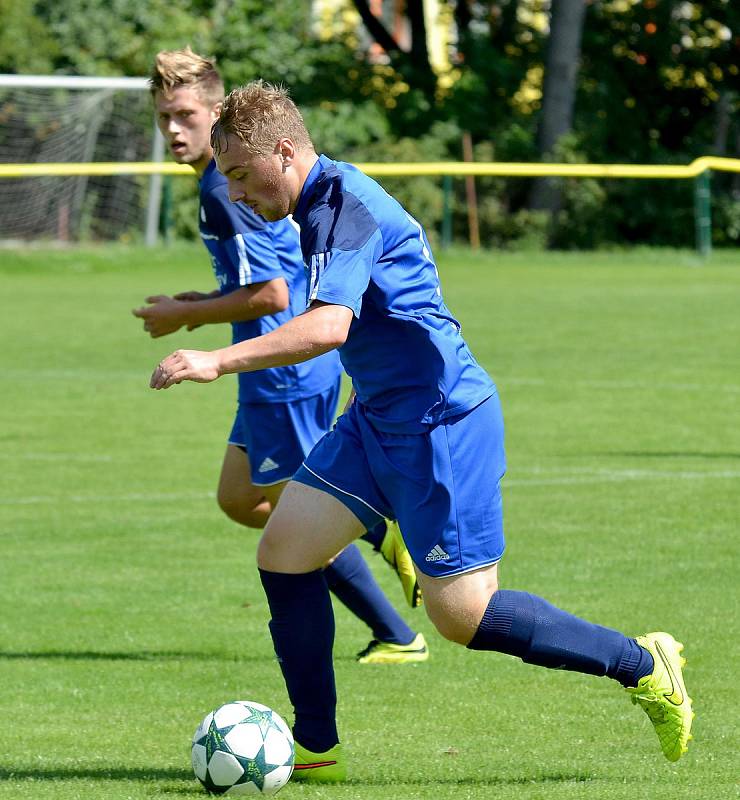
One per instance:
(285, 148)
(216, 110)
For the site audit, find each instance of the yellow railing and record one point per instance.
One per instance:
(699, 169)
(454, 168)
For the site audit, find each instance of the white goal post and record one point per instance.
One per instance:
(66, 118)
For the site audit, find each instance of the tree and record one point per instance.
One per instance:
(117, 37)
(559, 92)
(412, 65)
(658, 82)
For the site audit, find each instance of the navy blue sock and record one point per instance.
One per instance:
(375, 535)
(302, 628)
(350, 579)
(529, 627)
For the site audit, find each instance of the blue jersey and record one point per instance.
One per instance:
(244, 250)
(409, 364)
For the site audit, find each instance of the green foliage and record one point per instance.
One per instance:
(184, 207)
(651, 75)
(504, 221)
(580, 221)
(658, 83)
(726, 220)
(421, 196)
(340, 127)
(253, 40)
(498, 49)
(118, 37)
(26, 44)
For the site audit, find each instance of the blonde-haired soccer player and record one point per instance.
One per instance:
(282, 412)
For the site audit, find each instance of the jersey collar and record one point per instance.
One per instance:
(309, 187)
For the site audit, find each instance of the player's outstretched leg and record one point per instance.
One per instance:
(649, 667)
(352, 582)
(662, 694)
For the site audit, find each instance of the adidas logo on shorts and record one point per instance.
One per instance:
(267, 465)
(437, 554)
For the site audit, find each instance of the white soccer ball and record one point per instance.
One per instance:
(243, 748)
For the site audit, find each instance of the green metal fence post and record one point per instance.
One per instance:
(703, 213)
(446, 211)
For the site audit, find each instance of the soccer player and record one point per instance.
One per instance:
(284, 411)
(423, 440)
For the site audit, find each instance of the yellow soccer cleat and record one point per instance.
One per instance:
(385, 653)
(327, 767)
(393, 550)
(663, 694)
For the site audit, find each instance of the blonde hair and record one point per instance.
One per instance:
(259, 115)
(175, 68)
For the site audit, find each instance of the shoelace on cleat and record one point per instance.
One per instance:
(653, 708)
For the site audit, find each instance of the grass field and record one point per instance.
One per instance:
(131, 606)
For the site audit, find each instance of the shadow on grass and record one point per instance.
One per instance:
(142, 655)
(98, 774)
(480, 780)
(177, 774)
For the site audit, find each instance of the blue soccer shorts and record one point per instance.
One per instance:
(443, 485)
(278, 436)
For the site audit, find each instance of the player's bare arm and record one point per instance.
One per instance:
(165, 314)
(323, 327)
(194, 295)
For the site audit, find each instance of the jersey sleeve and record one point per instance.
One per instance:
(246, 239)
(340, 277)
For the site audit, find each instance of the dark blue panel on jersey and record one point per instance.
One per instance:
(405, 353)
(244, 250)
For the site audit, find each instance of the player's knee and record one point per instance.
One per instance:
(454, 630)
(271, 555)
(457, 619)
(279, 551)
(237, 509)
(228, 504)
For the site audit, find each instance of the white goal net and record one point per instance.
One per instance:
(60, 119)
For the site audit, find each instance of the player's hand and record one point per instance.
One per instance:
(164, 315)
(201, 366)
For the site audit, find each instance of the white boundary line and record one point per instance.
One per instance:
(619, 477)
(133, 497)
(588, 477)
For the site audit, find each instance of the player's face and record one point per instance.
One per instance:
(262, 182)
(185, 122)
